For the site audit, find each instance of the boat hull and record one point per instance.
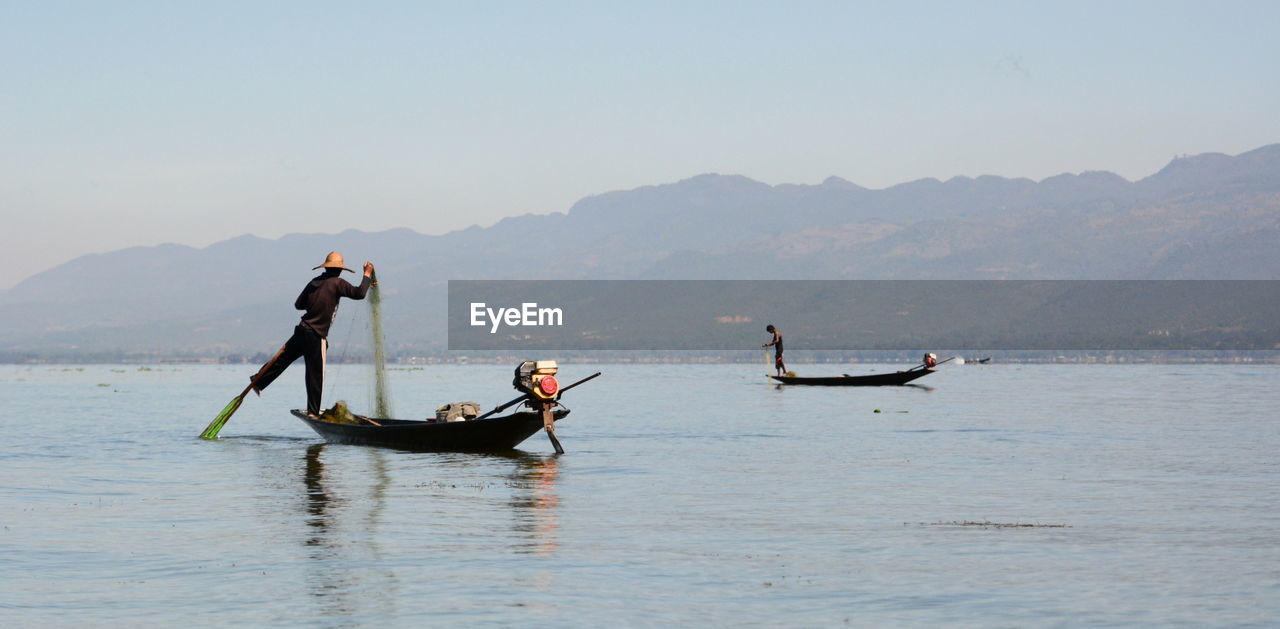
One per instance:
(872, 380)
(493, 434)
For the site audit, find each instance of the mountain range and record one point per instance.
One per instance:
(1209, 216)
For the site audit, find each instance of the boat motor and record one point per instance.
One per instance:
(537, 378)
(536, 382)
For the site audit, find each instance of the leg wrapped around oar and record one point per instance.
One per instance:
(255, 383)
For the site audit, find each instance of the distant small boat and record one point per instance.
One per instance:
(846, 380)
(491, 434)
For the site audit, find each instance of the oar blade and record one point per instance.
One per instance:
(218, 422)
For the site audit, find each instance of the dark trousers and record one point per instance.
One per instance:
(304, 343)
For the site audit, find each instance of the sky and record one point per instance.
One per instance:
(139, 123)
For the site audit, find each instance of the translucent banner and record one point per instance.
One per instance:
(864, 315)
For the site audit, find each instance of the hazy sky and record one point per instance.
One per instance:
(130, 123)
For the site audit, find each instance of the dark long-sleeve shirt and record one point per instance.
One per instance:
(320, 300)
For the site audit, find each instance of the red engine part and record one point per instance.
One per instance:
(548, 385)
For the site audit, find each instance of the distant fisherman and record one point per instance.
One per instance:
(777, 349)
(319, 301)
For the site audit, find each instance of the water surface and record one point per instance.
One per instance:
(690, 494)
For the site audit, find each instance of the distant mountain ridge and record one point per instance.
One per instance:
(1208, 216)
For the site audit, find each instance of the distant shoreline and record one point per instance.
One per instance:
(799, 357)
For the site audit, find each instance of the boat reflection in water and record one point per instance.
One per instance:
(535, 502)
(333, 546)
(375, 530)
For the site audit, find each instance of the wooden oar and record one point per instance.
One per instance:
(218, 422)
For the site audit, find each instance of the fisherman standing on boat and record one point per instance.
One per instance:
(777, 349)
(319, 301)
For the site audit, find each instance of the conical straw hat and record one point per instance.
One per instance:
(332, 261)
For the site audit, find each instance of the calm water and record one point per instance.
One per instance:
(688, 495)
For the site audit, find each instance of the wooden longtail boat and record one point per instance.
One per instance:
(872, 380)
(540, 392)
(491, 434)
